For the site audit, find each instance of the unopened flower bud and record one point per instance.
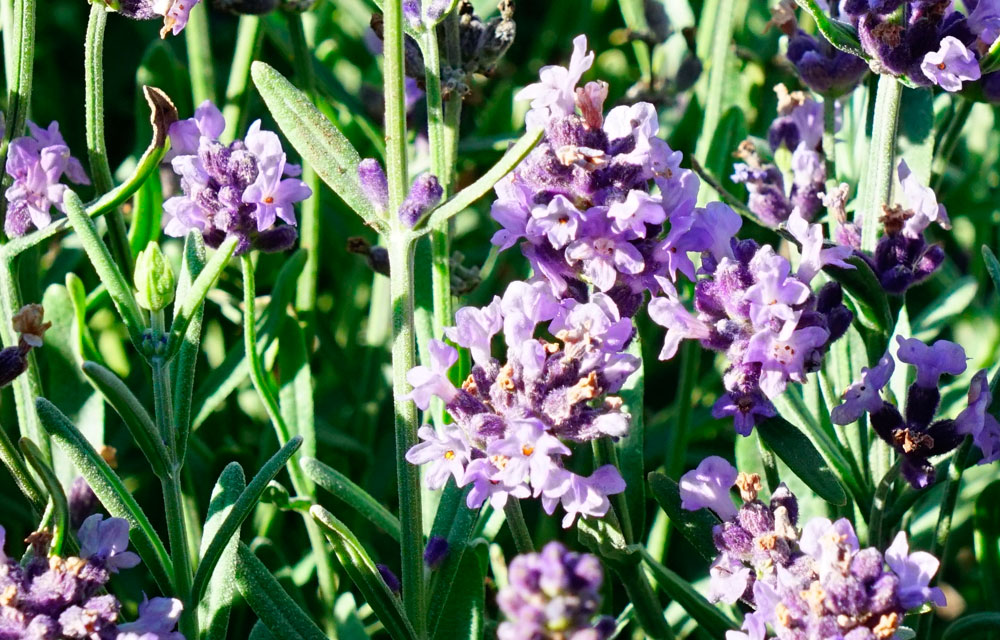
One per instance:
(154, 279)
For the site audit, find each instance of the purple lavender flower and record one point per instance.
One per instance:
(864, 395)
(922, 202)
(822, 67)
(708, 486)
(174, 12)
(104, 542)
(814, 255)
(186, 135)
(984, 21)
(157, 619)
(681, 324)
(915, 571)
(374, 184)
(931, 362)
(435, 552)
(513, 419)
(950, 65)
(551, 595)
(581, 202)
(37, 163)
(425, 193)
(235, 190)
(975, 419)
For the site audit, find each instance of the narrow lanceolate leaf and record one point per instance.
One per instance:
(275, 608)
(455, 522)
(57, 497)
(316, 139)
(631, 447)
(710, 618)
(695, 526)
(191, 304)
(352, 495)
(943, 311)
(992, 266)
(987, 540)
(796, 451)
(974, 625)
(138, 421)
(213, 612)
(240, 510)
(463, 616)
(295, 396)
(361, 569)
(182, 368)
(118, 285)
(110, 491)
(839, 34)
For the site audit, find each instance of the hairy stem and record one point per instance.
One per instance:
(97, 151)
(518, 528)
(881, 159)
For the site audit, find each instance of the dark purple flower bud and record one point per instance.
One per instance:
(783, 131)
(784, 498)
(921, 405)
(389, 577)
(374, 184)
(886, 421)
(435, 552)
(276, 240)
(13, 362)
(425, 193)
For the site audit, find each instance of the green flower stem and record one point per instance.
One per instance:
(677, 436)
(518, 528)
(173, 502)
(309, 225)
(249, 36)
(648, 611)
(829, 140)
(877, 188)
(97, 150)
(19, 56)
(27, 386)
(879, 504)
(199, 50)
(401, 247)
(301, 484)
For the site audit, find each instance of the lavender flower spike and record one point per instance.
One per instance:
(932, 361)
(950, 65)
(864, 395)
(708, 485)
(915, 571)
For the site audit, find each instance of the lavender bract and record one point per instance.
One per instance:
(52, 598)
(553, 595)
(238, 189)
(511, 417)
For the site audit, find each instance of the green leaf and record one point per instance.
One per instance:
(275, 608)
(991, 61)
(15, 464)
(193, 301)
(213, 611)
(182, 368)
(711, 619)
(365, 576)
(796, 451)
(57, 497)
(110, 490)
(230, 527)
(85, 346)
(631, 448)
(351, 494)
(455, 522)
(317, 140)
(138, 421)
(972, 625)
(940, 313)
(117, 284)
(866, 291)
(987, 540)
(992, 266)
(839, 34)
(695, 526)
(463, 615)
(295, 395)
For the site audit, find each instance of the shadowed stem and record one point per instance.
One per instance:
(518, 528)
(301, 484)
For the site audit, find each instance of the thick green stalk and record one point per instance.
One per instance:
(199, 50)
(248, 38)
(401, 246)
(518, 527)
(309, 225)
(173, 503)
(301, 484)
(97, 150)
(877, 189)
(19, 55)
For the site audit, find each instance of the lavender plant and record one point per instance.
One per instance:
(796, 199)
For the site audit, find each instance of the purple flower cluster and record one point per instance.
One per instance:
(425, 192)
(767, 320)
(813, 583)
(582, 201)
(932, 43)
(238, 189)
(553, 595)
(799, 128)
(37, 163)
(51, 598)
(174, 12)
(511, 417)
(914, 433)
(821, 66)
